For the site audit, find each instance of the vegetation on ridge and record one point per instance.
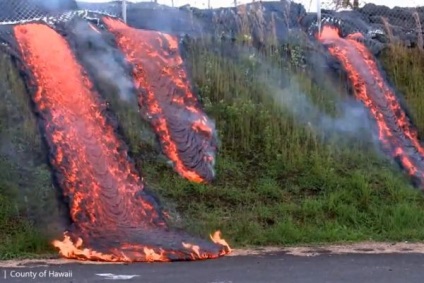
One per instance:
(278, 181)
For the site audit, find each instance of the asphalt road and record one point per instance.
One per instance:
(268, 268)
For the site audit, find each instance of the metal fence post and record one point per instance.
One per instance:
(124, 10)
(319, 16)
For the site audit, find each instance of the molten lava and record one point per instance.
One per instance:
(187, 136)
(114, 218)
(396, 133)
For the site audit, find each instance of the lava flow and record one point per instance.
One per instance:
(396, 133)
(113, 217)
(187, 136)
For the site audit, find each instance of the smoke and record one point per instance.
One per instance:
(151, 16)
(350, 121)
(111, 73)
(105, 61)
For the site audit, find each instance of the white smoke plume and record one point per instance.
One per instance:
(352, 120)
(104, 62)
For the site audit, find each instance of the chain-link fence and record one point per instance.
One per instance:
(117, 8)
(13, 11)
(408, 20)
(16, 10)
(405, 13)
(401, 21)
(21, 10)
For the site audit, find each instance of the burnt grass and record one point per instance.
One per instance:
(279, 182)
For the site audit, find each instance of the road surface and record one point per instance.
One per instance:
(255, 268)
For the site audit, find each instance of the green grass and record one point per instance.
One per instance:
(27, 197)
(278, 180)
(278, 183)
(405, 67)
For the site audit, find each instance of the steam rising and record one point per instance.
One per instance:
(104, 61)
(352, 120)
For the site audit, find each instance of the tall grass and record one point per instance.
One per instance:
(406, 67)
(278, 182)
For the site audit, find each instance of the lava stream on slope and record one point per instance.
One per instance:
(186, 134)
(113, 217)
(396, 133)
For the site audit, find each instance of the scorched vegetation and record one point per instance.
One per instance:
(279, 180)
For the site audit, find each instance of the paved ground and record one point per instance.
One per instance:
(264, 268)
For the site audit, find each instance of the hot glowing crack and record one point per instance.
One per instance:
(186, 134)
(113, 218)
(397, 135)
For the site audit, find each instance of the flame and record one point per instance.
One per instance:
(395, 131)
(216, 238)
(167, 101)
(114, 219)
(67, 248)
(194, 248)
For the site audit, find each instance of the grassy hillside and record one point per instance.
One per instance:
(279, 181)
(25, 183)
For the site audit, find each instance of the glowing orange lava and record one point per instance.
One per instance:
(186, 134)
(114, 219)
(396, 132)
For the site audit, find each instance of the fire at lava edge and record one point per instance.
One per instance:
(113, 218)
